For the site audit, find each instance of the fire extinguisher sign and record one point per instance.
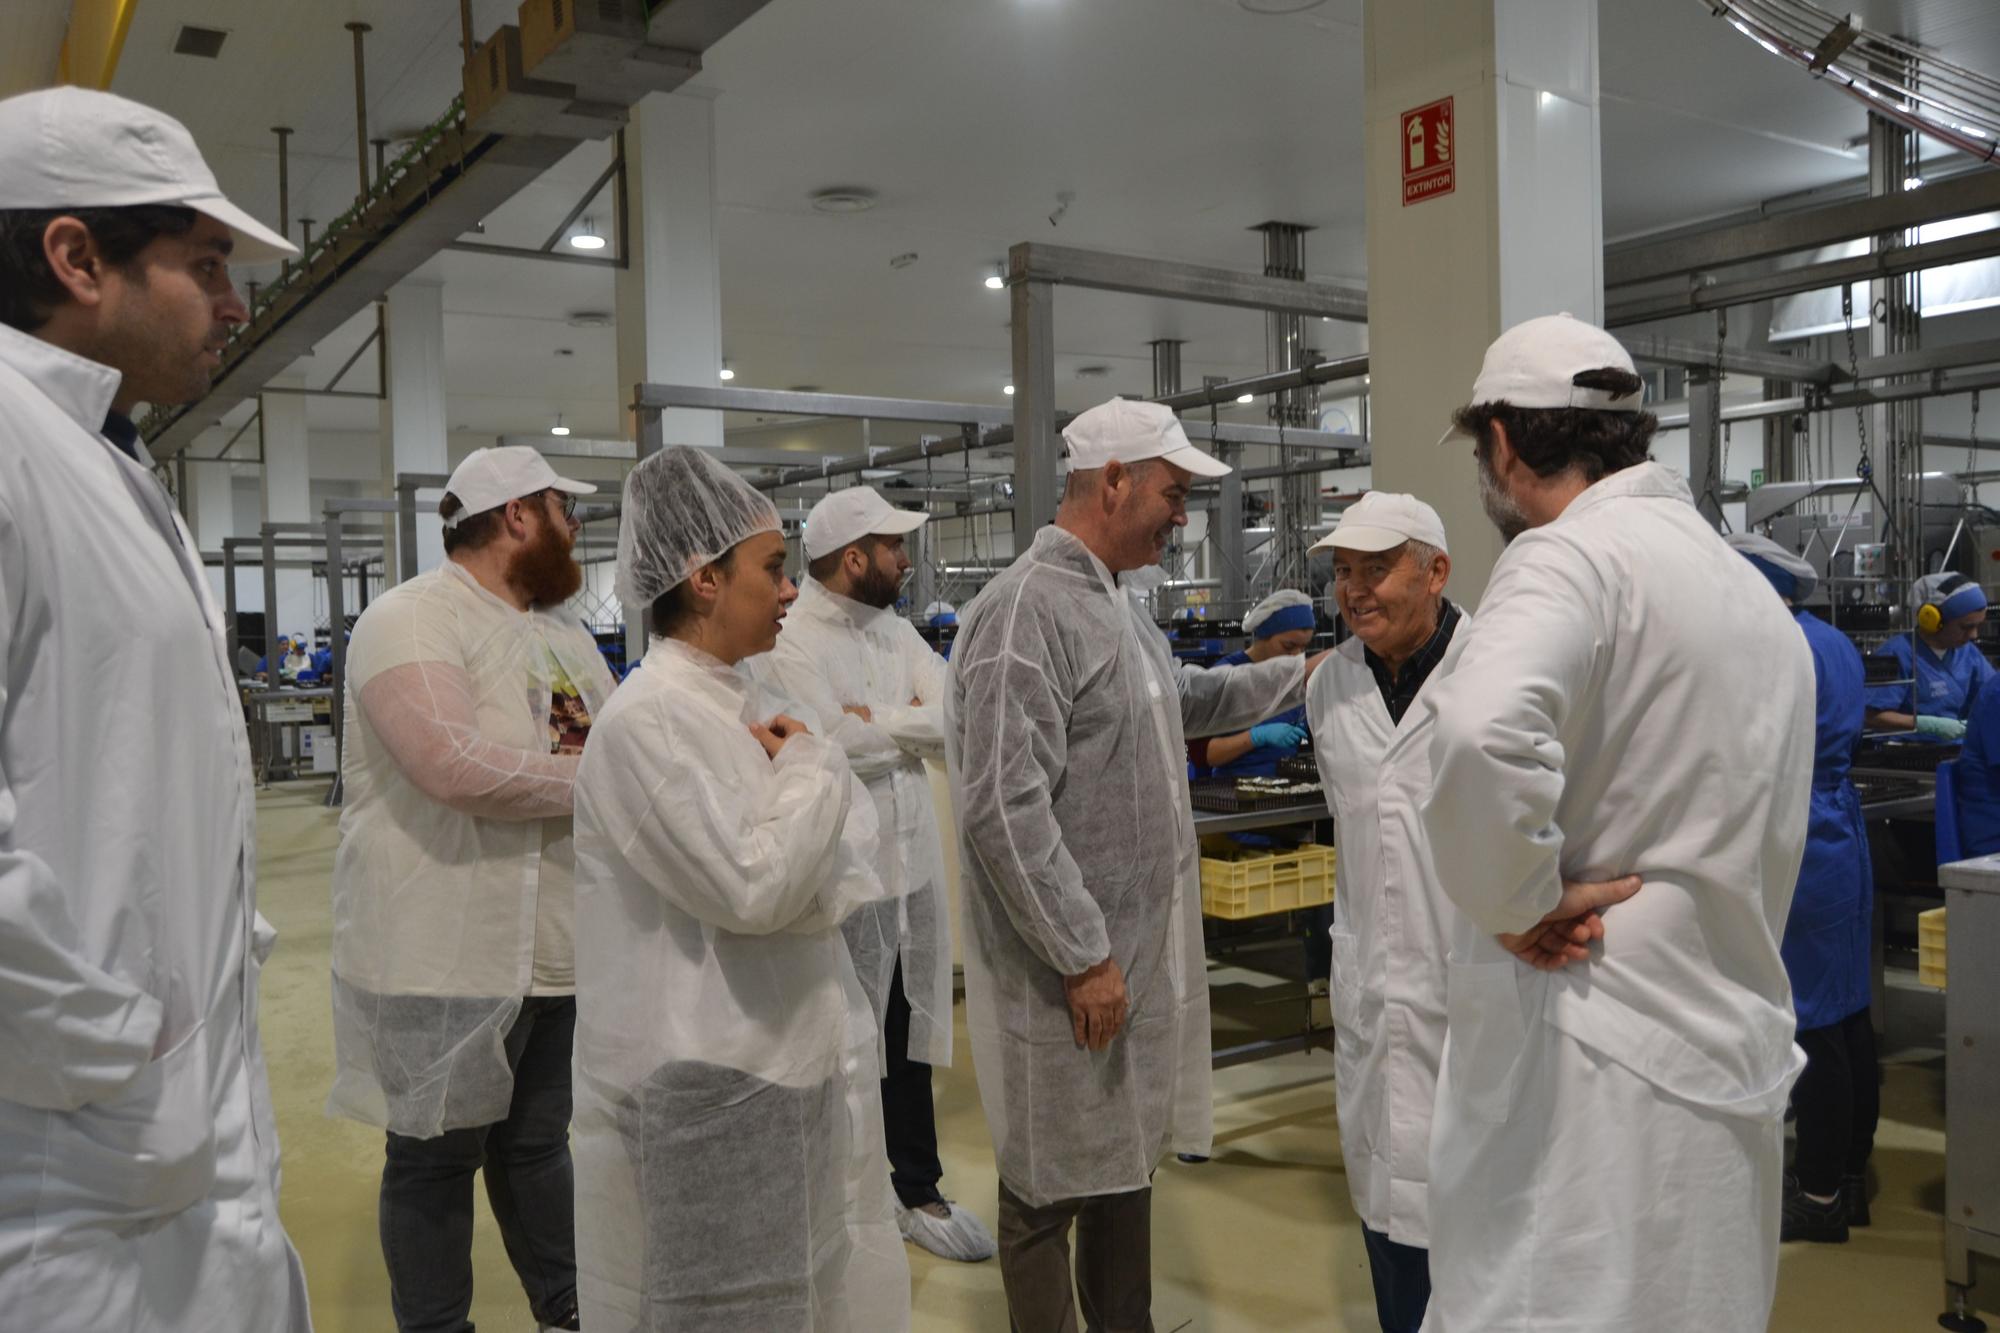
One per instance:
(1430, 167)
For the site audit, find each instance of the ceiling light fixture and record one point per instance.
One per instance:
(1247, 398)
(587, 239)
(997, 279)
(843, 199)
(1009, 391)
(728, 374)
(1913, 182)
(559, 428)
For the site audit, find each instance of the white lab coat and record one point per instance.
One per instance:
(1066, 722)
(455, 846)
(138, 1156)
(1389, 936)
(1597, 725)
(835, 651)
(728, 1124)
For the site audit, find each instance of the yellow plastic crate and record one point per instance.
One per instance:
(1930, 947)
(1257, 885)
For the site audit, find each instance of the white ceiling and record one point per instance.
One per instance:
(1178, 124)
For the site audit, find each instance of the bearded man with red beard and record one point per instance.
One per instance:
(470, 693)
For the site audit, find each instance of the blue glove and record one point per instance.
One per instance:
(1285, 736)
(1944, 728)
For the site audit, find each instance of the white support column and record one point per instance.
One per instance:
(414, 427)
(287, 479)
(670, 292)
(212, 488)
(1519, 235)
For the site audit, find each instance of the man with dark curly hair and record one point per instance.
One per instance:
(1620, 827)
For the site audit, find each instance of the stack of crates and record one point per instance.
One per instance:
(1237, 887)
(1930, 947)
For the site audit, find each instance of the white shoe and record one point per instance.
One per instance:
(956, 1235)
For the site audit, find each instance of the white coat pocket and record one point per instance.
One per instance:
(1352, 1012)
(148, 1152)
(1488, 1035)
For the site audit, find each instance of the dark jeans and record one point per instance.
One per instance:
(909, 1120)
(1114, 1263)
(1838, 1101)
(1402, 1277)
(426, 1209)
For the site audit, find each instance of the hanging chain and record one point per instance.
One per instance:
(1972, 448)
(1865, 468)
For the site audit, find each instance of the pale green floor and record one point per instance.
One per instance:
(1260, 1238)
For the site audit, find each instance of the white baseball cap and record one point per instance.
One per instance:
(489, 478)
(1383, 520)
(75, 148)
(1536, 363)
(849, 515)
(1130, 430)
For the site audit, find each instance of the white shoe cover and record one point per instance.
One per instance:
(961, 1237)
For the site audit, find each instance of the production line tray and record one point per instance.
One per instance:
(1222, 796)
(1903, 756)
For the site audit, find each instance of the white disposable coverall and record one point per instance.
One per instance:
(1389, 936)
(138, 1157)
(835, 651)
(1606, 1152)
(730, 1169)
(1066, 722)
(454, 839)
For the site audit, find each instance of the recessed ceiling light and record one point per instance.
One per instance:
(728, 374)
(1009, 391)
(843, 199)
(589, 319)
(1092, 372)
(1279, 6)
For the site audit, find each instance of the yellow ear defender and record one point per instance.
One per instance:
(1930, 616)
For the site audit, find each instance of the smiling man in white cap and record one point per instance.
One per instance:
(1086, 994)
(470, 694)
(1372, 742)
(1607, 1149)
(861, 675)
(138, 1156)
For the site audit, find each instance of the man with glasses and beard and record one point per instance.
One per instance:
(876, 690)
(469, 696)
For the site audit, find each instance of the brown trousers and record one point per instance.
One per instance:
(1114, 1263)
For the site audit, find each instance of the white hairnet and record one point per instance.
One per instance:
(683, 509)
(1277, 601)
(1761, 549)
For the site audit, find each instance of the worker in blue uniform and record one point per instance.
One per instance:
(1279, 626)
(1827, 937)
(1978, 775)
(1941, 657)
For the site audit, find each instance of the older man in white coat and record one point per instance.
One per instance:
(138, 1156)
(1607, 1148)
(1086, 996)
(1372, 741)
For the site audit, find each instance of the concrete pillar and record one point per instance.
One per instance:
(670, 292)
(1519, 234)
(211, 490)
(287, 477)
(413, 415)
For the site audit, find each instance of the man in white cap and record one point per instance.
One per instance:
(866, 680)
(138, 1156)
(1607, 1149)
(1086, 996)
(1372, 741)
(470, 693)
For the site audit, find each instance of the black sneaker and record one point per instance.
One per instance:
(1854, 1194)
(1809, 1220)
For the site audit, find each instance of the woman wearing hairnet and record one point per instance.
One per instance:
(1281, 625)
(1828, 936)
(728, 1135)
(1941, 655)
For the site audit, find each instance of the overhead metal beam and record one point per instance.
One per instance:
(523, 252)
(656, 396)
(1807, 229)
(1654, 349)
(1807, 277)
(1032, 261)
(1228, 391)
